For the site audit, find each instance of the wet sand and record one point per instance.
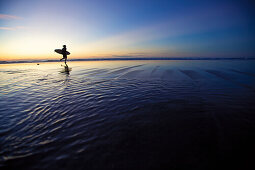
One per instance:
(128, 115)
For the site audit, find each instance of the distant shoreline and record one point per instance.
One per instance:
(128, 59)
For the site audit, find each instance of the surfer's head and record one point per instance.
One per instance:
(64, 46)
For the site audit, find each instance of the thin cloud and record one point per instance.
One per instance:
(137, 54)
(12, 28)
(7, 28)
(4, 16)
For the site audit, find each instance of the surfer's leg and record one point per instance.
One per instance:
(65, 60)
(62, 58)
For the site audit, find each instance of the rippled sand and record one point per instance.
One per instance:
(128, 115)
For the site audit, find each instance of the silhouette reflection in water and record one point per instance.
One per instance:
(66, 69)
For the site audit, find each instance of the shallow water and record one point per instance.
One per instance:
(128, 115)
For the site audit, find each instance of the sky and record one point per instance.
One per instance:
(32, 29)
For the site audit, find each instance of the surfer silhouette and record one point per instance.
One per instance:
(64, 53)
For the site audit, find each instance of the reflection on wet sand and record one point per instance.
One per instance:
(127, 115)
(66, 69)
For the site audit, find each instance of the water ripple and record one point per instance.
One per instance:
(93, 116)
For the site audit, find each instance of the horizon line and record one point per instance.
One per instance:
(126, 58)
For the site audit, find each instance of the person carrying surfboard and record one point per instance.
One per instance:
(64, 53)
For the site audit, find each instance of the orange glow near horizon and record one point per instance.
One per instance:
(32, 30)
(39, 47)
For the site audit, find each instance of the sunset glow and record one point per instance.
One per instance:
(33, 29)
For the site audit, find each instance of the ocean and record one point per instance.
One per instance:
(164, 114)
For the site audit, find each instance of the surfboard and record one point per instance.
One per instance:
(59, 51)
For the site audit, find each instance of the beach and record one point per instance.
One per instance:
(165, 114)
